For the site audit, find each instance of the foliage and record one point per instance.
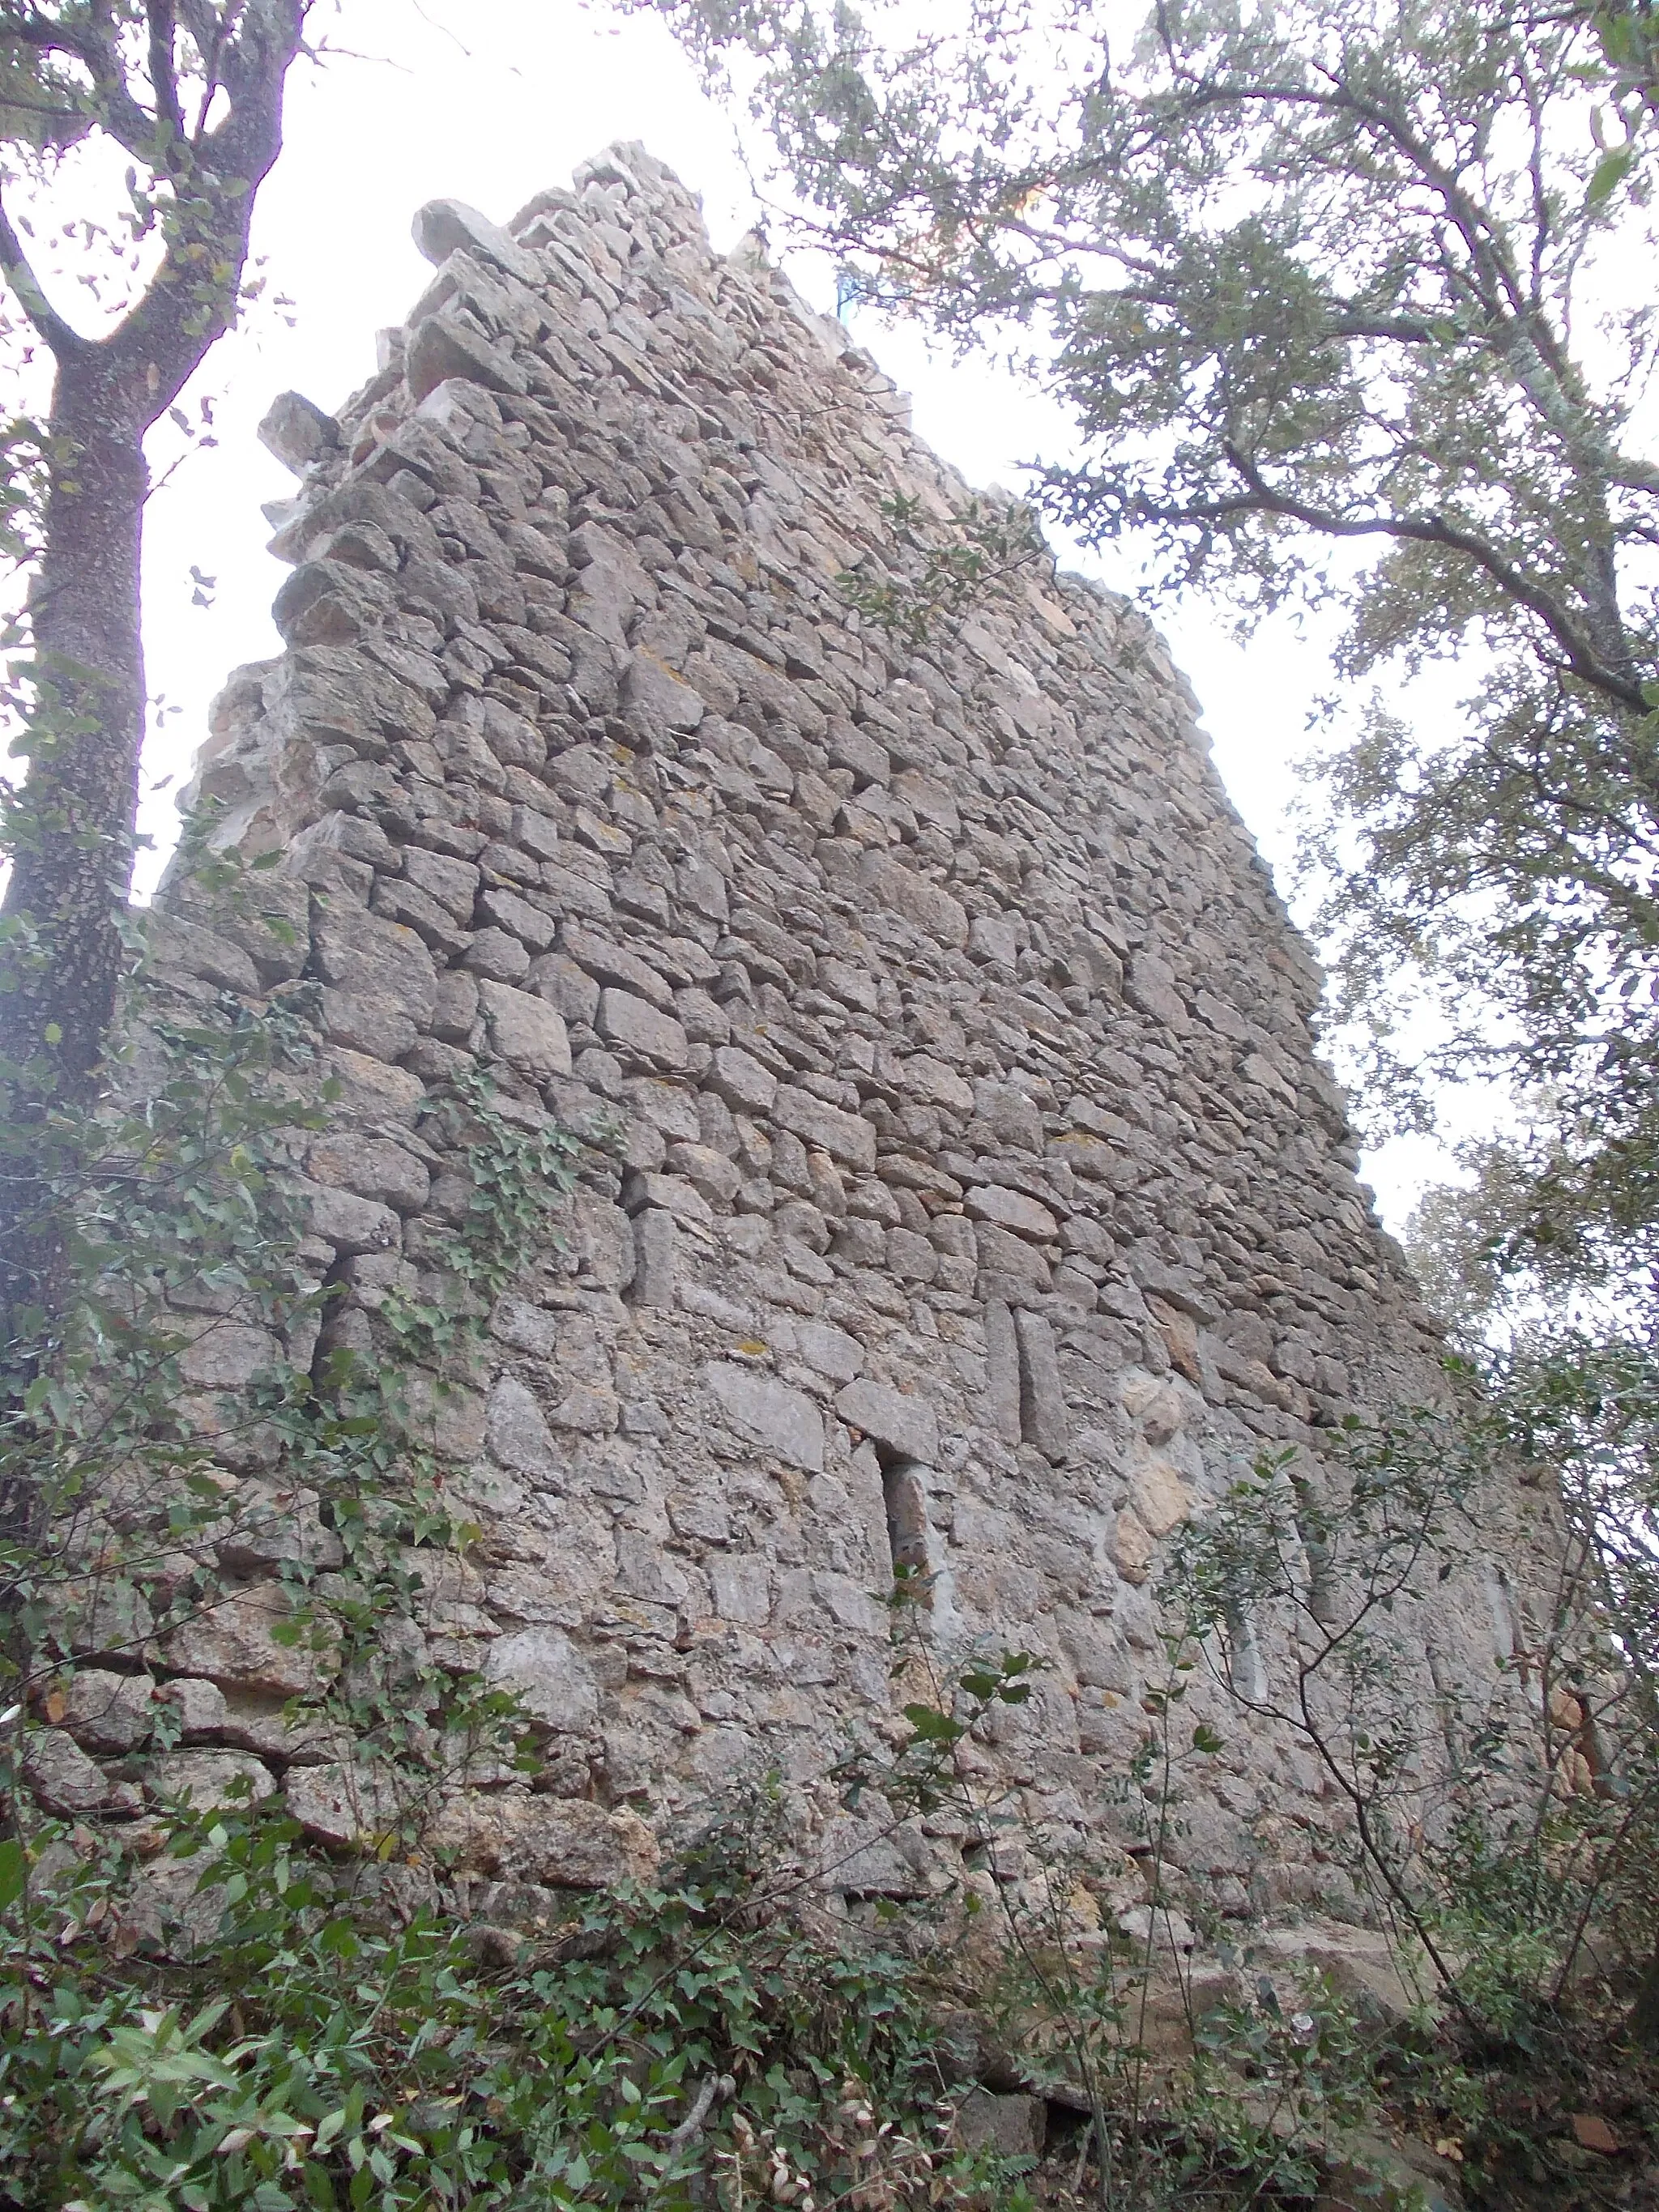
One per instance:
(316, 2051)
(1504, 1838)
(1186, 2096)
(925, 583)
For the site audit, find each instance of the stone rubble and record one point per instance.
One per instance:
(964, 1192)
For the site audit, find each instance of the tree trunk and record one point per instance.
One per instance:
(73, 841)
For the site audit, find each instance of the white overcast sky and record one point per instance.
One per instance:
(488, 100)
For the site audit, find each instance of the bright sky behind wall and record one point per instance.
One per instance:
(487, 101)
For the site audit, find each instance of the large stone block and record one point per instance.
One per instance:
(518, 1435)
(1012, 1210)
(847, 1138)
(376, 959)
(352, 1807)
(642, 1032)
(526, 1030)
(253, 1638)
(212, 1780)
(905, 1423)
(64, 1780)
(1011, 2124)
(738, 1078)
(930, 909)
(546, 1672)
(109, 1712)
(784, 1421)
(569, 1842)
(372, 1167)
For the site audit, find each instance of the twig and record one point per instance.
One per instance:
(717, 2086)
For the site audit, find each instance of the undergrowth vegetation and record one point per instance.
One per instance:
(207, 2004)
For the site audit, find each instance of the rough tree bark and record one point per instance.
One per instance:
(130, 69)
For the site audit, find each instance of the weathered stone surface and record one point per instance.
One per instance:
(568, 1842)
(346, 1805)
(526, 1030)
(372, 1167)
(109, 1712)
(179, 946)
(1012, 1210)
(931, 909)
(657, 699)
(297, 431)
(517, 1434)
(783, 1421)
(738, 1077)
(655, 1248)
(223, 1355)
(642, 1031)
(210, 1779)
(1042, 1393)
(552, 1680)
(957, 1185)
(1159, 1497)
(64, 1780)
(351, 1224)
(845, 1137)
(1149, 988)
(233, 1642)
(376, 959)
(1011, 2125)
(904, 1423)
(443, 347)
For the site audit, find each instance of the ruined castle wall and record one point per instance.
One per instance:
(965, 1191)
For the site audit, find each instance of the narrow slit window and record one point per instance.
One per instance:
(905, 1498)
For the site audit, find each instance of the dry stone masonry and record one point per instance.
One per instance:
(962, 1190)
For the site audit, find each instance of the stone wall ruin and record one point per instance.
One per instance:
(966, 1193)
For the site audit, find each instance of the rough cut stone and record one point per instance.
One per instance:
(544, 1670)
(904, 1423)
(738, 1077)
(642, 1030)
(212, 1780)
(570, 1843)
(66, 1781)
(233, 1642)
(1012, 1210)
(376, 959)
(783, 1421)
(1159, 1497)
(517, 1434)
(351, 1224)
(932, 910)
(109, 1712)
(1042, 1394)
(224, 1355)
(372, 1167)
(1011, 2126)
(655, 1250)
(845, 1137)
(350, 1806)
(526, 1030)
